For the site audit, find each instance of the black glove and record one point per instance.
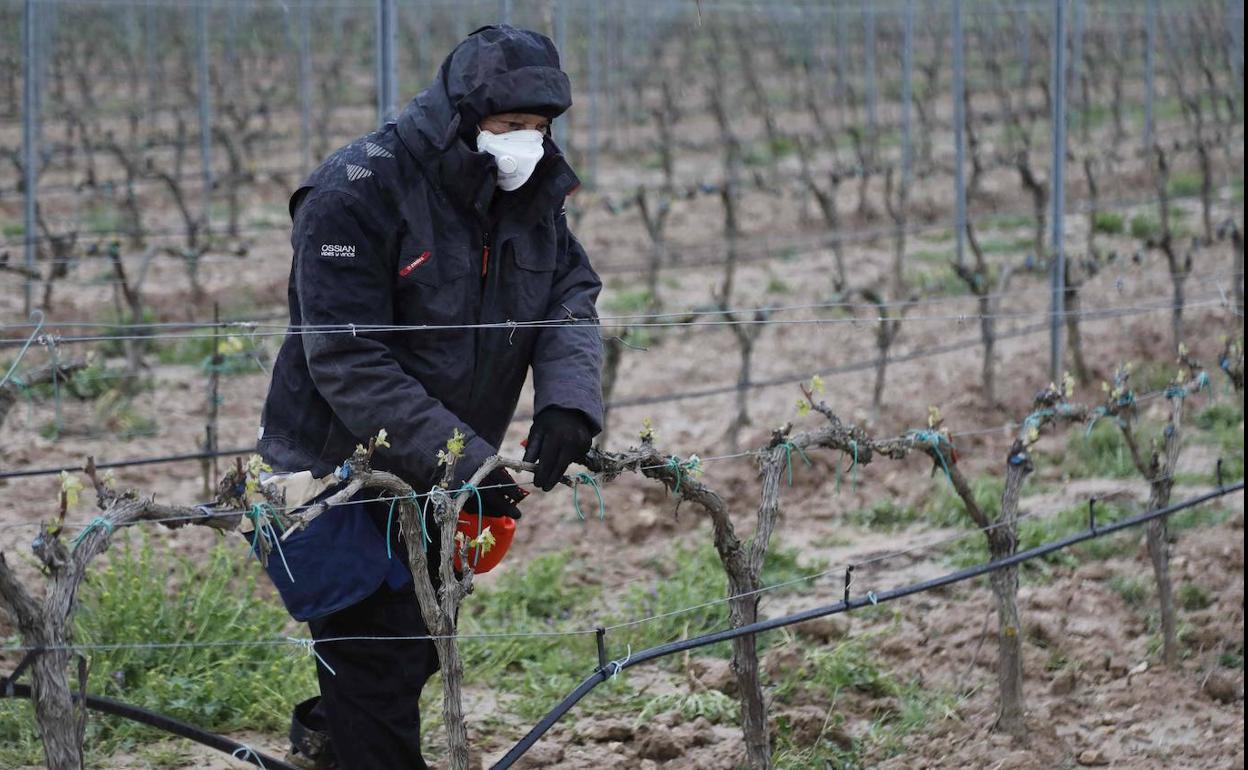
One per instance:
(558, 438)
(499, 496)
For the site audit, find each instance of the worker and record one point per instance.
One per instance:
(433, 269)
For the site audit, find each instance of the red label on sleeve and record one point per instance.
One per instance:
(415, 263)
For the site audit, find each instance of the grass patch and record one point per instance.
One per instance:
(1039, 530)
(1010, 221)
(627, 301)
(1222, 425)
(827, 674)
(714, 705)
(931, 256)
(1193, 596)
(1185, 185)
(1102, 452)
(540, 671)
(777, 285)
(945, 508)
(999, 246)
(1133, 590)
(687, 577)
(222, 689)
(885, 515)
(1109, 223)
(239, 354)
(1145, 227)
(941, 281)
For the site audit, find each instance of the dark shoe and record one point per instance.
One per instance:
(309, 740)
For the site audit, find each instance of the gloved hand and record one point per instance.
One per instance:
(558, 438)
(499, 496)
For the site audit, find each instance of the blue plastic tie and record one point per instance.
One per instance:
(933, 439)
(789, 446)
(425, 540)
(853, 469)
(98, 521)
(343, 472)
(1034, 419)
(1097, 414)
(1175, 391)
(585, 478)
(261, 515)
(674, 464)
(470, 487)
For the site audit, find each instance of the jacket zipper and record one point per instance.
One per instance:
(478, 336)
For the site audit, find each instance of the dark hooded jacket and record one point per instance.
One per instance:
(403, 228)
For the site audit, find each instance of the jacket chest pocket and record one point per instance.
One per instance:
(430, 286)
(530, 282)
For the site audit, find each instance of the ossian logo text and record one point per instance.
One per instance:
(334, 250)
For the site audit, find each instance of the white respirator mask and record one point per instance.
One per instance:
(515, 152)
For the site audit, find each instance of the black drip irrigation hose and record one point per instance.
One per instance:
(239, 751)
(17, 474)
(609, 670)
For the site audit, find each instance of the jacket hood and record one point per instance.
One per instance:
(495, 69)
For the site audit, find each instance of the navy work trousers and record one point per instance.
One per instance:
(371, 703)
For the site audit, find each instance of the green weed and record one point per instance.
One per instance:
(221, 688)
(714, 705)
(1102, 452)
(884, 515)
(1109, 223)
(627, 301)
(777, 285)
(238, 354)
(1145, 227)
(1193, 596)
(1133, 590)
(827, 673)
(945, 508)
(1185, 185)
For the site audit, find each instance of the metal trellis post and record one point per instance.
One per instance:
(1235, 21)
(1057, 266)
(1150, 46)
(30, 138)
(842, 54)
(305, 84)
(868, 20)
(907, 92)
(386, 73)
(204, 85)
(595, 87)
(561, 43)
(1024, 42)
(1076, 64)
(959, 130)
